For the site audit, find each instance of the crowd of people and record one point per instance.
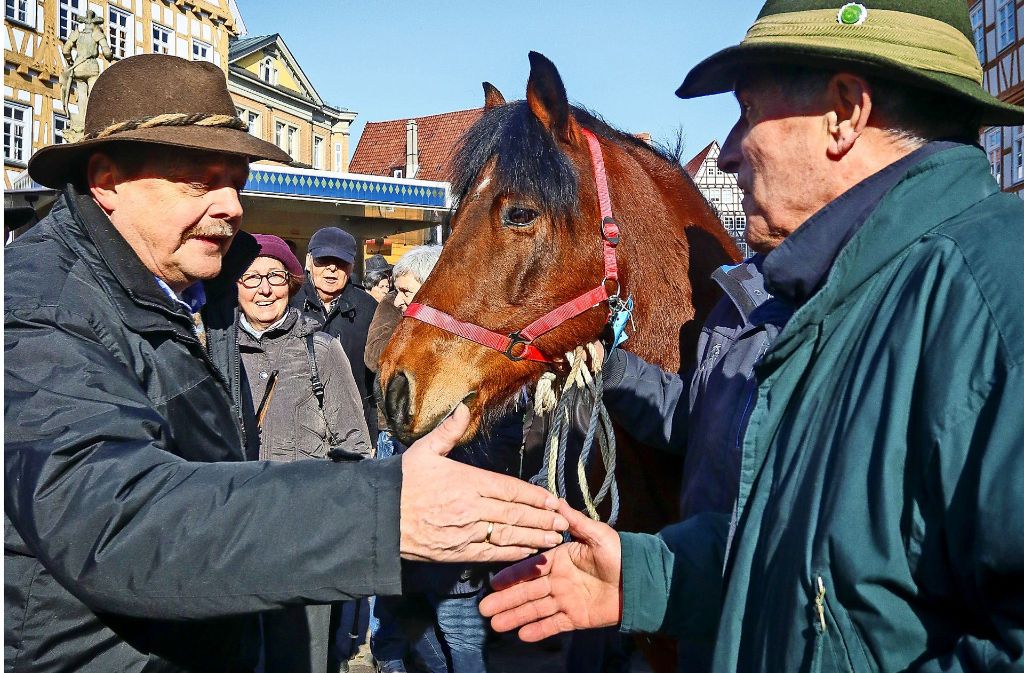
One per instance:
(198, 478)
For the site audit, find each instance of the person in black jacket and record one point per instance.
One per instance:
(139, 534)
(344, 308)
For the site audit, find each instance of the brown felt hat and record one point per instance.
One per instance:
(160, 100)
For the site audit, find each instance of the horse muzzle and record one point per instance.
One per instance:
(408, 423)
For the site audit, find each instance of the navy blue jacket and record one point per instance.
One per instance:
(703, 415)
(135, 537)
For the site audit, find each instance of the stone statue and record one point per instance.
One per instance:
(88, 42)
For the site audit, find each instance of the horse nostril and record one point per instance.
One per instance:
(396, 402)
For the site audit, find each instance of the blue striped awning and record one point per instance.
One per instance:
(323, 185)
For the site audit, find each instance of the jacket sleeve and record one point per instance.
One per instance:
(672, 582)
(385, 320)
(976, 473)
(651, 404)
(343, 406)
(96, 492)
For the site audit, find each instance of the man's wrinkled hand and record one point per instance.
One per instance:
(455, 512)
(573, 586)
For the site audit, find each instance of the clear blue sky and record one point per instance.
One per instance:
(393, 59)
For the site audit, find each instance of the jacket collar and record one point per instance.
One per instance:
(800, 265)
(343, 303)
(294, 322)
(743, 284)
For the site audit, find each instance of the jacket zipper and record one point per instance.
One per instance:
(236, 392)
(819, 605)
(823, 611)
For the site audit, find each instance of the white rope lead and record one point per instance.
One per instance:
(553, 471)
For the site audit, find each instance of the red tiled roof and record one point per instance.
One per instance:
(381, 146)
(693, 165)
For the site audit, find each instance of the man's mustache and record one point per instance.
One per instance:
(210, 230)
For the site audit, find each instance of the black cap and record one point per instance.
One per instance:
(377, 263)
(333, 242)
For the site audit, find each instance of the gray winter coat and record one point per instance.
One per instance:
(294, 426)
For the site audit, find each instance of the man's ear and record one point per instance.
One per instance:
(309, 262)
(849, 97)
(102, 176)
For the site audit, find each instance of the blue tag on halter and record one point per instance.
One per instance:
(620, 318)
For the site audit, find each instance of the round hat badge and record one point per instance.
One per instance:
(852, 14)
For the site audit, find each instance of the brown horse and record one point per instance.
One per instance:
(525, 239)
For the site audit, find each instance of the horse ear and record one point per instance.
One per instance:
(546, 97)
(492, 97)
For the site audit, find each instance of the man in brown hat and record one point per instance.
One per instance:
(138, 535)
(877, 520)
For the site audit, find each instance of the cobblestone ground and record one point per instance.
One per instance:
(510, 655)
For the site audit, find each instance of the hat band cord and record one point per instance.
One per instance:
(172, 119)
(917, 41)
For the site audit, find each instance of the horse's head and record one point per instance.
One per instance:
(525, 239)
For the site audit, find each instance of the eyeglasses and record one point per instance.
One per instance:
(274, 278)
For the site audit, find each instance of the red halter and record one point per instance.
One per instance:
(519, 345)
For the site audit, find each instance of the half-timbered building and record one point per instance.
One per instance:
(721, 191)
(35, 31)
(998, 38)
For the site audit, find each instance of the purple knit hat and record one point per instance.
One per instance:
(273, 246)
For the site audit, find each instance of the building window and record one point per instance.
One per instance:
(978, 26)
(318, 152)
(252, 119)
(397, 173)
(17, 121)
(1006, 24)
(60, 126)
(268, 71)
(1018, 153)
(201, 51)
(337, 157)
(68, 14)
(118, 34)
(286, 137)
(994, 148)
(163, 40)
(21, 11)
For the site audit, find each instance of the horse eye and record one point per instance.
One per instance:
(519, 217)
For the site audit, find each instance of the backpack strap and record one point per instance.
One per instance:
(334, 452)
(314, 373)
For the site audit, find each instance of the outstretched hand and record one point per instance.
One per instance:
(576, 585)
(454, 512)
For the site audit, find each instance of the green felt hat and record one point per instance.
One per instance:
(924, 43)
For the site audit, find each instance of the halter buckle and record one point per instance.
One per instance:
(618, 288)
(516, 339)
(610, 230)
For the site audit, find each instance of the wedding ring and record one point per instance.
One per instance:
(490, 529)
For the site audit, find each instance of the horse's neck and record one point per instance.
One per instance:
(671, 243)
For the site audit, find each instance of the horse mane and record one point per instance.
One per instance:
(528, 160)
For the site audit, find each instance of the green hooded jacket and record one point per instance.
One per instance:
(880, 519)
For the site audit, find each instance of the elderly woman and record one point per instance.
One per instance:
(307, 407)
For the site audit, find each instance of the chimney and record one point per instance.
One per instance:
(412, 149)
